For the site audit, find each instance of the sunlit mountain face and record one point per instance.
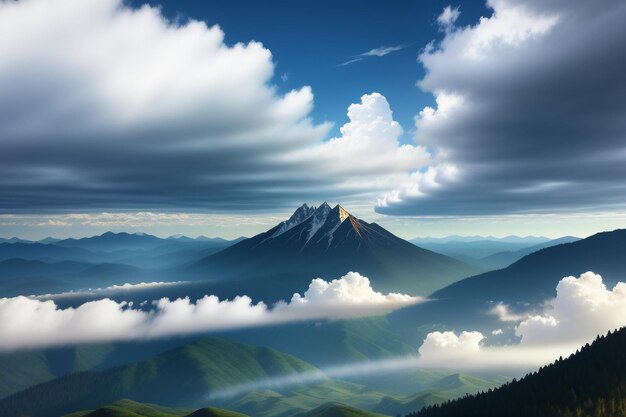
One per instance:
(281, 209)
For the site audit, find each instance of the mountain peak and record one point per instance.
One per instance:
(301, 214)
(343, 213)
(316, 218)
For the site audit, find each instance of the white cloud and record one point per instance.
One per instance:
(466, 351)
(377, 52)
(499, 118)
(497, 332)
(582, 309)
(109, 290)
(503, 313)
(448, 17)
(447, 347)
(28, 322)
(383, 50)
(344, 297)
(128, 110)
(368, 154)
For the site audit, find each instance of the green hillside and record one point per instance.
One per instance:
(325, 343)
(128, 408)
(301, 398)
(402, 406)
(590, 383)
(22, 369)
(333, 409)
(215, 412)
(180, 377)
(321, 343)
(432, 387)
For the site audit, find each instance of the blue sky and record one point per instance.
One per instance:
(434, 118)
(309, 40)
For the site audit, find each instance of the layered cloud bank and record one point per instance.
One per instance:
(582, 309)
(28, 322)
(528, 112)
(128, 110)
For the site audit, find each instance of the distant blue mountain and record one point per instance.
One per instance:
(109, 242)
(503, 259)
(489, 252)
(97, 261)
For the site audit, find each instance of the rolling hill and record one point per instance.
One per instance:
(187, 377)
(129, 408)
(180, 377)
(338, 410)
(328, 242)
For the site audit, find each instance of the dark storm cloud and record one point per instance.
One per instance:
(530, 113)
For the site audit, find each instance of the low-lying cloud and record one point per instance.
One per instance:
(28, 322)
(113, 289)
(584, 301)
(582, 309)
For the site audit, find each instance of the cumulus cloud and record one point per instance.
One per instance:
(126, 109)
(448, 347)
(344, 297)
(29, 322)
(528, 111)
(371, 135)
(582, 309)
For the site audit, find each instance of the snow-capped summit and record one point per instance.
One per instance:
(318, 218)
(310, 220)
(329, 242)
(301, 214)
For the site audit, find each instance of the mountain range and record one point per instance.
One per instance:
(111, 258)
(489, 252)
